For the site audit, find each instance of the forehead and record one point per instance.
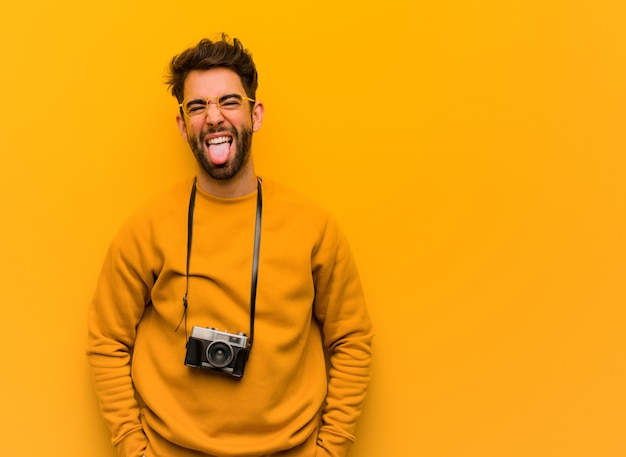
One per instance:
(216, 81)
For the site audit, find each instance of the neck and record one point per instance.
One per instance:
(244, 183)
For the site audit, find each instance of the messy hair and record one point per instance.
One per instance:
(209, 54)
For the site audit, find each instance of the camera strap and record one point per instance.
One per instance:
(255, 257)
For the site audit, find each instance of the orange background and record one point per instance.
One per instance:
(473, 151)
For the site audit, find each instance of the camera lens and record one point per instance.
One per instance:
(219, 354)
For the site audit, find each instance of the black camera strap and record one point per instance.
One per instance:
(255, 257)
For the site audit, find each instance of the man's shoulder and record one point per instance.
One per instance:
(306, 213)
(171, 201)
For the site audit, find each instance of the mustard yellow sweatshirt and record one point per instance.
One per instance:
(310, 310)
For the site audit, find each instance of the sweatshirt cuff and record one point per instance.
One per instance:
(330, 444)
(132, 445)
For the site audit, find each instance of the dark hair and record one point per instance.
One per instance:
(209, 54)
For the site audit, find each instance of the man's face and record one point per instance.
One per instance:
(220, 139)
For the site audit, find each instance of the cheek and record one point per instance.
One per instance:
(192, 131)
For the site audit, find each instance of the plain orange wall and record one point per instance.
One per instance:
(474, 152)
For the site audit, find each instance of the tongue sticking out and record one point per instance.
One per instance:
(218, 153)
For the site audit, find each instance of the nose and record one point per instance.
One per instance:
(214, 114)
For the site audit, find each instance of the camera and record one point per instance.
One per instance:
(216, 350)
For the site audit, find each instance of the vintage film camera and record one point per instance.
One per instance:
(216, 350)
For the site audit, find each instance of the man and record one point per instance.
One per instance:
(229, 318)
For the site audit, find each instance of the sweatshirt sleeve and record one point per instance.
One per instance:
(122, 292)
(347, 329)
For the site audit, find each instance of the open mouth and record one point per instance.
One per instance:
(219, 140)
(219, 148)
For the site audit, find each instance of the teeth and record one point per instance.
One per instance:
(218, 140)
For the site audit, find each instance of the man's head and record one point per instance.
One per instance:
(209, 54)
(215, 84)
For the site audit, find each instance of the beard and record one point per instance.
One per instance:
(239, 157)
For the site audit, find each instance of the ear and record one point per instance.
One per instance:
(257, 116)
(182, 127)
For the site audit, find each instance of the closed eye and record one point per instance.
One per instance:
(195, 105)
(231, 100)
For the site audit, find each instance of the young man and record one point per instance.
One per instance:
(229, 318)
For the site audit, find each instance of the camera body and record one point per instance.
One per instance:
(216, 350)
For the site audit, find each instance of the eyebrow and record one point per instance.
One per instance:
(195, 100)
(224, 97)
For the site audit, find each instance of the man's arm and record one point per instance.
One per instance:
(347, 329)
(118, 304)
